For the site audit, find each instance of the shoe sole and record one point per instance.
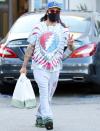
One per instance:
(49, 125)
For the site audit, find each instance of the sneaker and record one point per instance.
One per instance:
(48, 123)
(39, 122)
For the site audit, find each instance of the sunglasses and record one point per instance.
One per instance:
(54, 11)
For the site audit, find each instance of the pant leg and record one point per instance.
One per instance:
(53, 84)
(42, 78)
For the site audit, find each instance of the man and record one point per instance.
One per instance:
(46, 47)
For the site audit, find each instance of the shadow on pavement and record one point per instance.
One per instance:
(76, 88)
(63, 88)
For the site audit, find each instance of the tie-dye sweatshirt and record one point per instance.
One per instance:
(49, 44)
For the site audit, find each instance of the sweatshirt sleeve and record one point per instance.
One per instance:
(34, 35)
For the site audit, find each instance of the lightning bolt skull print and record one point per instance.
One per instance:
(49, 46)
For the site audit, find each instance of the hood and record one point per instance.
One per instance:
(84, 38)
(76, 35)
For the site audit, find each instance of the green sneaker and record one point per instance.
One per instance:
(48, 123)
(39, 122)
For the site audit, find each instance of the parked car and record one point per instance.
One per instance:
(82, 65)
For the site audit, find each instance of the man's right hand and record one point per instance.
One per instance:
(23, 70)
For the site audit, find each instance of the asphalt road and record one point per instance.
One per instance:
(72, 112)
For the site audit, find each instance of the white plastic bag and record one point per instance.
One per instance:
(23, 95)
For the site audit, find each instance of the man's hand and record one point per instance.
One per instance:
(23, 70)
(70, 42)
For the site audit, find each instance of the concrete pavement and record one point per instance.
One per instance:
(70, 114)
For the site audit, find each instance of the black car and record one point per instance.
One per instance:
(82, 65)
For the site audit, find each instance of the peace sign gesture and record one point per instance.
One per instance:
(70, 39)
(70, 42)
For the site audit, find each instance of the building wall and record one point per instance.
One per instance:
(12, 9)
(90, 4)
(98, 5)
(3, 18)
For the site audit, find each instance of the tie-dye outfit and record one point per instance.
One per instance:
(47, 58)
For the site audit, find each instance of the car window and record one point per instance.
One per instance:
(76, 24)
(98, 26)
(25, 24)
(95, 29)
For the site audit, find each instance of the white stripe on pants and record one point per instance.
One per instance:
(47, 83)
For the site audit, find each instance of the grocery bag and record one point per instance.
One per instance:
(23, 95)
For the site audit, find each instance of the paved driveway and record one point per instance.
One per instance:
(71, 113)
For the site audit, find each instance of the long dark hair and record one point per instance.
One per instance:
(44, 18)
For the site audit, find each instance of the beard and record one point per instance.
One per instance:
(54, 17)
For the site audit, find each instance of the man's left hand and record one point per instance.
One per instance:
(70, 42)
